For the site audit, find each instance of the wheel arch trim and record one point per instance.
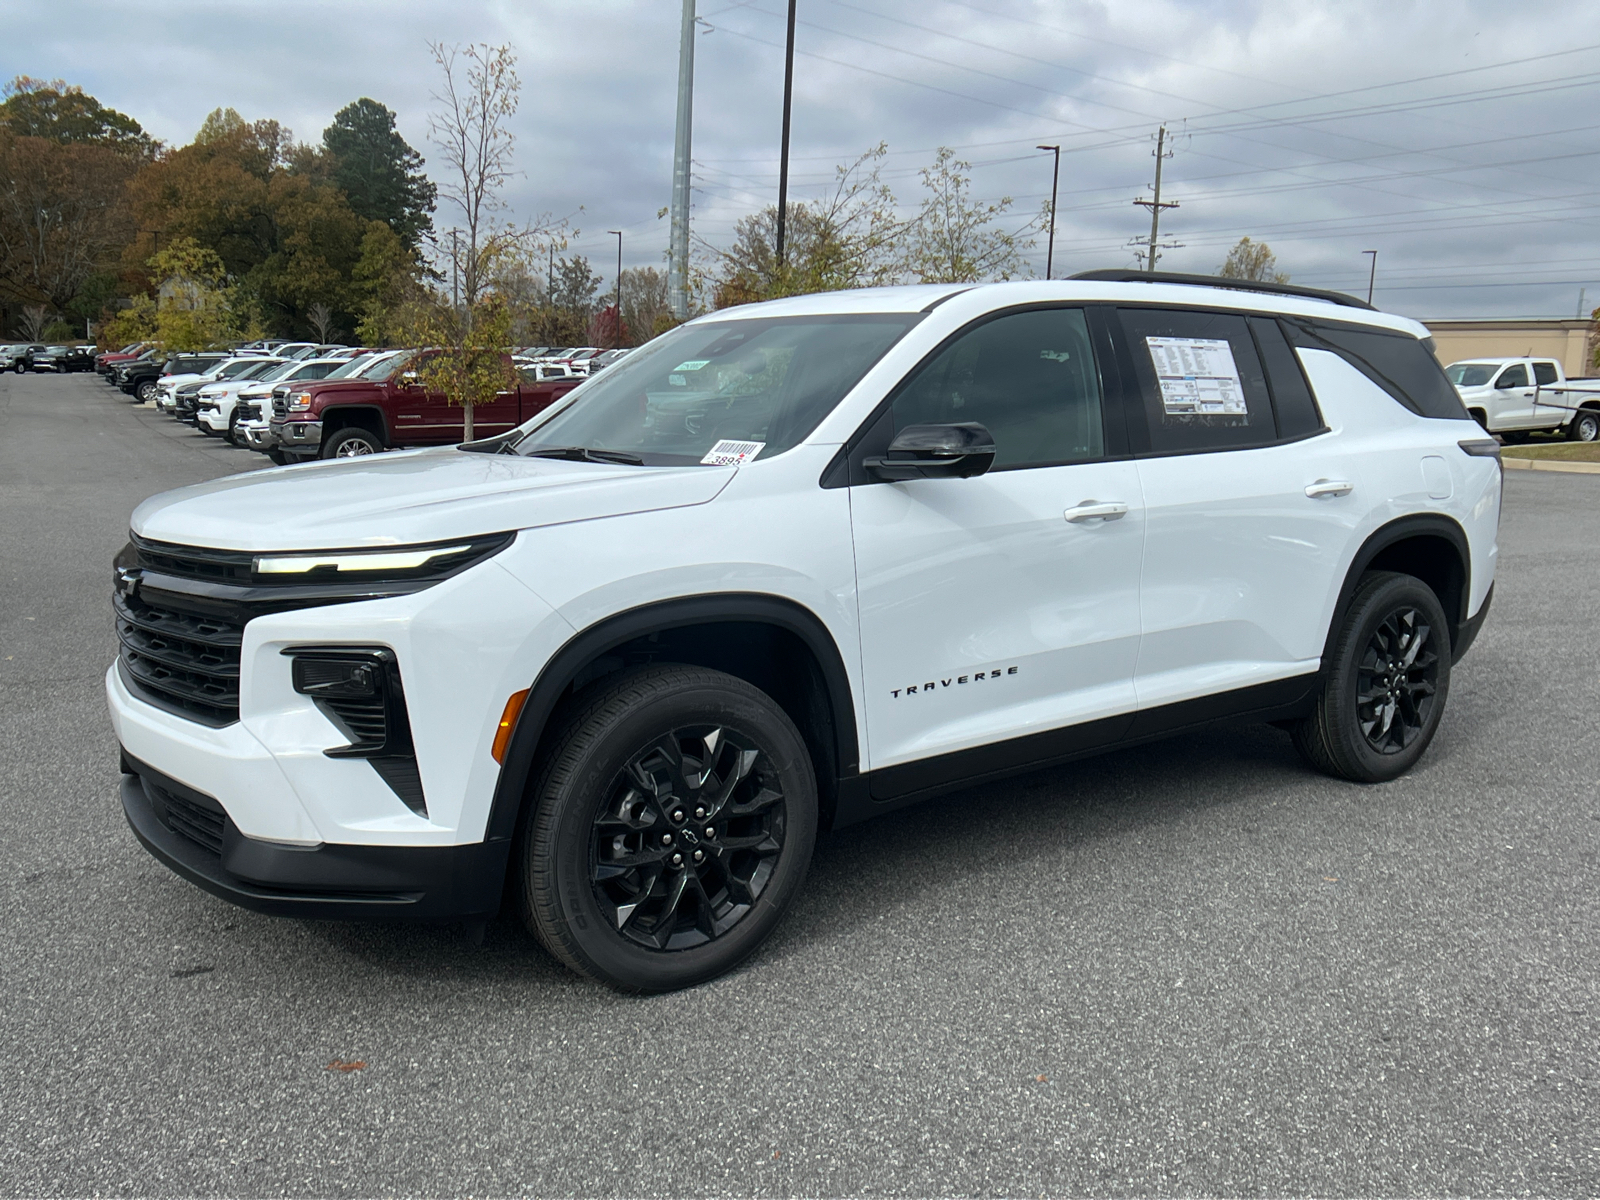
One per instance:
(1398, 530)
(610, 632)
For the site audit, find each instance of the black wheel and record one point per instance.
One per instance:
(1514, 437)
(146, 391)
(1584, 426)
(675, 818)
(1385, 684)
(233, 429)
(349, 443)
(277, 457)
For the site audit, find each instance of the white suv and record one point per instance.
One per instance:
(784, 568)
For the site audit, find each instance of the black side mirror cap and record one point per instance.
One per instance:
(936, 452)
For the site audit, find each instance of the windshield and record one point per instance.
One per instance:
(1470, 374)
(278, 371)
(760, 382)
(349, 367)
(379, 368)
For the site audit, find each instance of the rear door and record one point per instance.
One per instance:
(1250, 506)
(1549, 407)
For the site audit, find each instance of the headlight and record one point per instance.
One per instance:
(428, 562)
(300, 400)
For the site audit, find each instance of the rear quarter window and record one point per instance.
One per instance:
(1397, 362)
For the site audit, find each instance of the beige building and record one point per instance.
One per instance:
(1568, 340)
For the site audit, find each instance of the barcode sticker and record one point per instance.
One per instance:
(730, 454)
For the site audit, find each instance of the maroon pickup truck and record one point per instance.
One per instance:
(386, 407)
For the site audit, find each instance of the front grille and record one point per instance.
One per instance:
(201, 823)
(183, 661)
(249, 410)
(195, 562)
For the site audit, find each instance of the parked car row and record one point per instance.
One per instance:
(36, 356)
(297, 401)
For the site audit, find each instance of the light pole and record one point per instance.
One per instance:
(1372, 276)
(783, 160)
(1055, 179)
(616, 325)
(678, 264)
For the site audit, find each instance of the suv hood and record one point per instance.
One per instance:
(410, 497)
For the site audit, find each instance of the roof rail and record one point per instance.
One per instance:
(1123, 275)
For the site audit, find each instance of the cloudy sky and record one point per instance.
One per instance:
(1458, 138)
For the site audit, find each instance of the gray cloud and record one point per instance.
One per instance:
(1324, 128)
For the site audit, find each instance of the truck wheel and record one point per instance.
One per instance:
(1514, 437)
(1478, 416)
(277, 457)
(1386, 683)
(146, 391)
(233, 430)
(348, 443)
(674, 820)
(1584, 426)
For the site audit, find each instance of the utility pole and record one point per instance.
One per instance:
(1372, 276)
(678, 259)
(1582, 292)
(616, 326)
(455, 270)
(783, 161)
(1154, 204)
(1055, 180)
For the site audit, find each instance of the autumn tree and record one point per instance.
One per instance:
(194, 307)
(468, 357)
(644, 303)
(844, 240)
(381, 175)
(387, 286)
(1253, 261)
(67, 115)
(65, 163)
(956, 239)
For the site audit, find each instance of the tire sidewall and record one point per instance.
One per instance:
(1586, 420)
(1373, 603)
(577, 800)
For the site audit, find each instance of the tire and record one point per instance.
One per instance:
(232, 436)
(1346, 735)
(693, 922)
(1477, 415)
(1584, 426)
(349, 443)
(146, 391)
(277, 457)
(1514, 437)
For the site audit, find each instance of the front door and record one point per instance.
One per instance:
(1005, 604)
(1511, 404)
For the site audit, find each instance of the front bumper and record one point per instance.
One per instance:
(190, 833)
(256, 435)
(297, 435)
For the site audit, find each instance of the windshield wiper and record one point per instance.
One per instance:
(585, 454)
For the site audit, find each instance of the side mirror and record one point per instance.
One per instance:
(408, 379)
(936, 452)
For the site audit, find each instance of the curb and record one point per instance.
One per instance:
(1547, 464)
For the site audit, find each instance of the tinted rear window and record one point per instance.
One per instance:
(1397, 362)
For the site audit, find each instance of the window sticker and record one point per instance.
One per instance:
(1198, 377)
(1056, 355)
(677, 381)
(728, 453)
(694, 364)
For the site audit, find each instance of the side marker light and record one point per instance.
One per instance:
(508, 722)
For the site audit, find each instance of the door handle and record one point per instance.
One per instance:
(1096, 510)
(1329, 487)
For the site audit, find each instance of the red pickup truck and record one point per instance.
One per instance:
(385, 407)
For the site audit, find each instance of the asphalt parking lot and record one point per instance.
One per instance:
(1191, 968)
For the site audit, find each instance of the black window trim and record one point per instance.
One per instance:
(1132, 401)
(846, 468)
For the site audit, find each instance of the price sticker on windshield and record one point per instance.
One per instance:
(731, 454)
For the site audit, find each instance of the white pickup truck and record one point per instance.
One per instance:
(1518, 396)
